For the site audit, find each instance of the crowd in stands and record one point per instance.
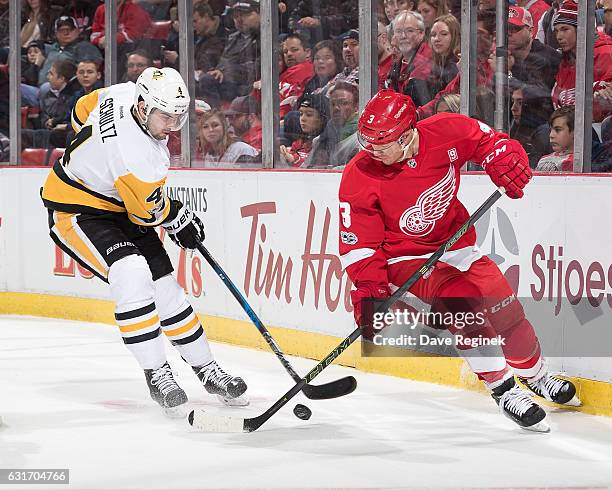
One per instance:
(418, 53)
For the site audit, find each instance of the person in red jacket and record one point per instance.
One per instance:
(398, 204)
(564, 92)
(133, 24)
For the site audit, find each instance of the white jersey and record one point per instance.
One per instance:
(112, 164)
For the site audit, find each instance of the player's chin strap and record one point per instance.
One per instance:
(406, 154)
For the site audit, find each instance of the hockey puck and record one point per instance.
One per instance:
(302, 412)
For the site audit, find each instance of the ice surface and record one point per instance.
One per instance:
(71, 396)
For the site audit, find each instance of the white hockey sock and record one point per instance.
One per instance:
(180, 323)
(131, 287)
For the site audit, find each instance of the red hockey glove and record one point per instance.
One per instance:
(508, 167)
(363, 310)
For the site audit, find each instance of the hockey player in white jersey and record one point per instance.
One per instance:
(105, 197)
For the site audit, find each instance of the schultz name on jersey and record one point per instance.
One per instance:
(112, 164)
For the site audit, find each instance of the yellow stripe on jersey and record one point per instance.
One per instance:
(145, 202)
(140, 325)
(83, 108)
(57, 192)
(65, 227)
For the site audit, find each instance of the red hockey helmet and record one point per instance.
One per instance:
(385, 118)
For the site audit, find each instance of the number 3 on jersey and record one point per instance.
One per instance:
(345, 214)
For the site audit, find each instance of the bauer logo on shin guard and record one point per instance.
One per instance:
(114, 247)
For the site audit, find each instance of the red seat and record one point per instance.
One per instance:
(55, 154)
(159, 30)
(34, 156)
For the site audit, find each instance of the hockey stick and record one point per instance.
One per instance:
(219, 423)
(333, 389)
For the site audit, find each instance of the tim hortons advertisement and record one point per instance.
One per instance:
(275, 234)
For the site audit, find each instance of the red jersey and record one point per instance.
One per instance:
(403, 211)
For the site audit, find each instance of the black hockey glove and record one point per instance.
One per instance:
(183, 226)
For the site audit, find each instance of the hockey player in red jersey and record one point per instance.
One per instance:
(398, 204)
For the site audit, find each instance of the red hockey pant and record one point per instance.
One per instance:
(484, 288)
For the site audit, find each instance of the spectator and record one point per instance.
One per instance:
(561, 141)
(445, 41)
(537, 9)
(534, 65)
(484, 72)
(238, 67)
(89, 77)
(337, 144)
(394, 7)
(36, 22)
(31, 65)
(532, 62)
(299, 71)
(210, 38)
(68, 47)
(317, 20)
(137, 62)
(132, 24)
(53, 108)
(244, 116)
(415, 61)
(385, 56)
(564, 91)
(314, 113)
(430, 10)
(216, 146)
(350, 56)
(328, 62)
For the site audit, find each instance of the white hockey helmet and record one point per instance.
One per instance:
(165, 90)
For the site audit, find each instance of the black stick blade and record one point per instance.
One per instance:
(334, 389)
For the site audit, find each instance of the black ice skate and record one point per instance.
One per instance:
(165, 391)
(217, 382)
(518, 405)
(554, 389)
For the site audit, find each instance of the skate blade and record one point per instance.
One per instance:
(239, 401)
(178, 412)
(541, 427)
